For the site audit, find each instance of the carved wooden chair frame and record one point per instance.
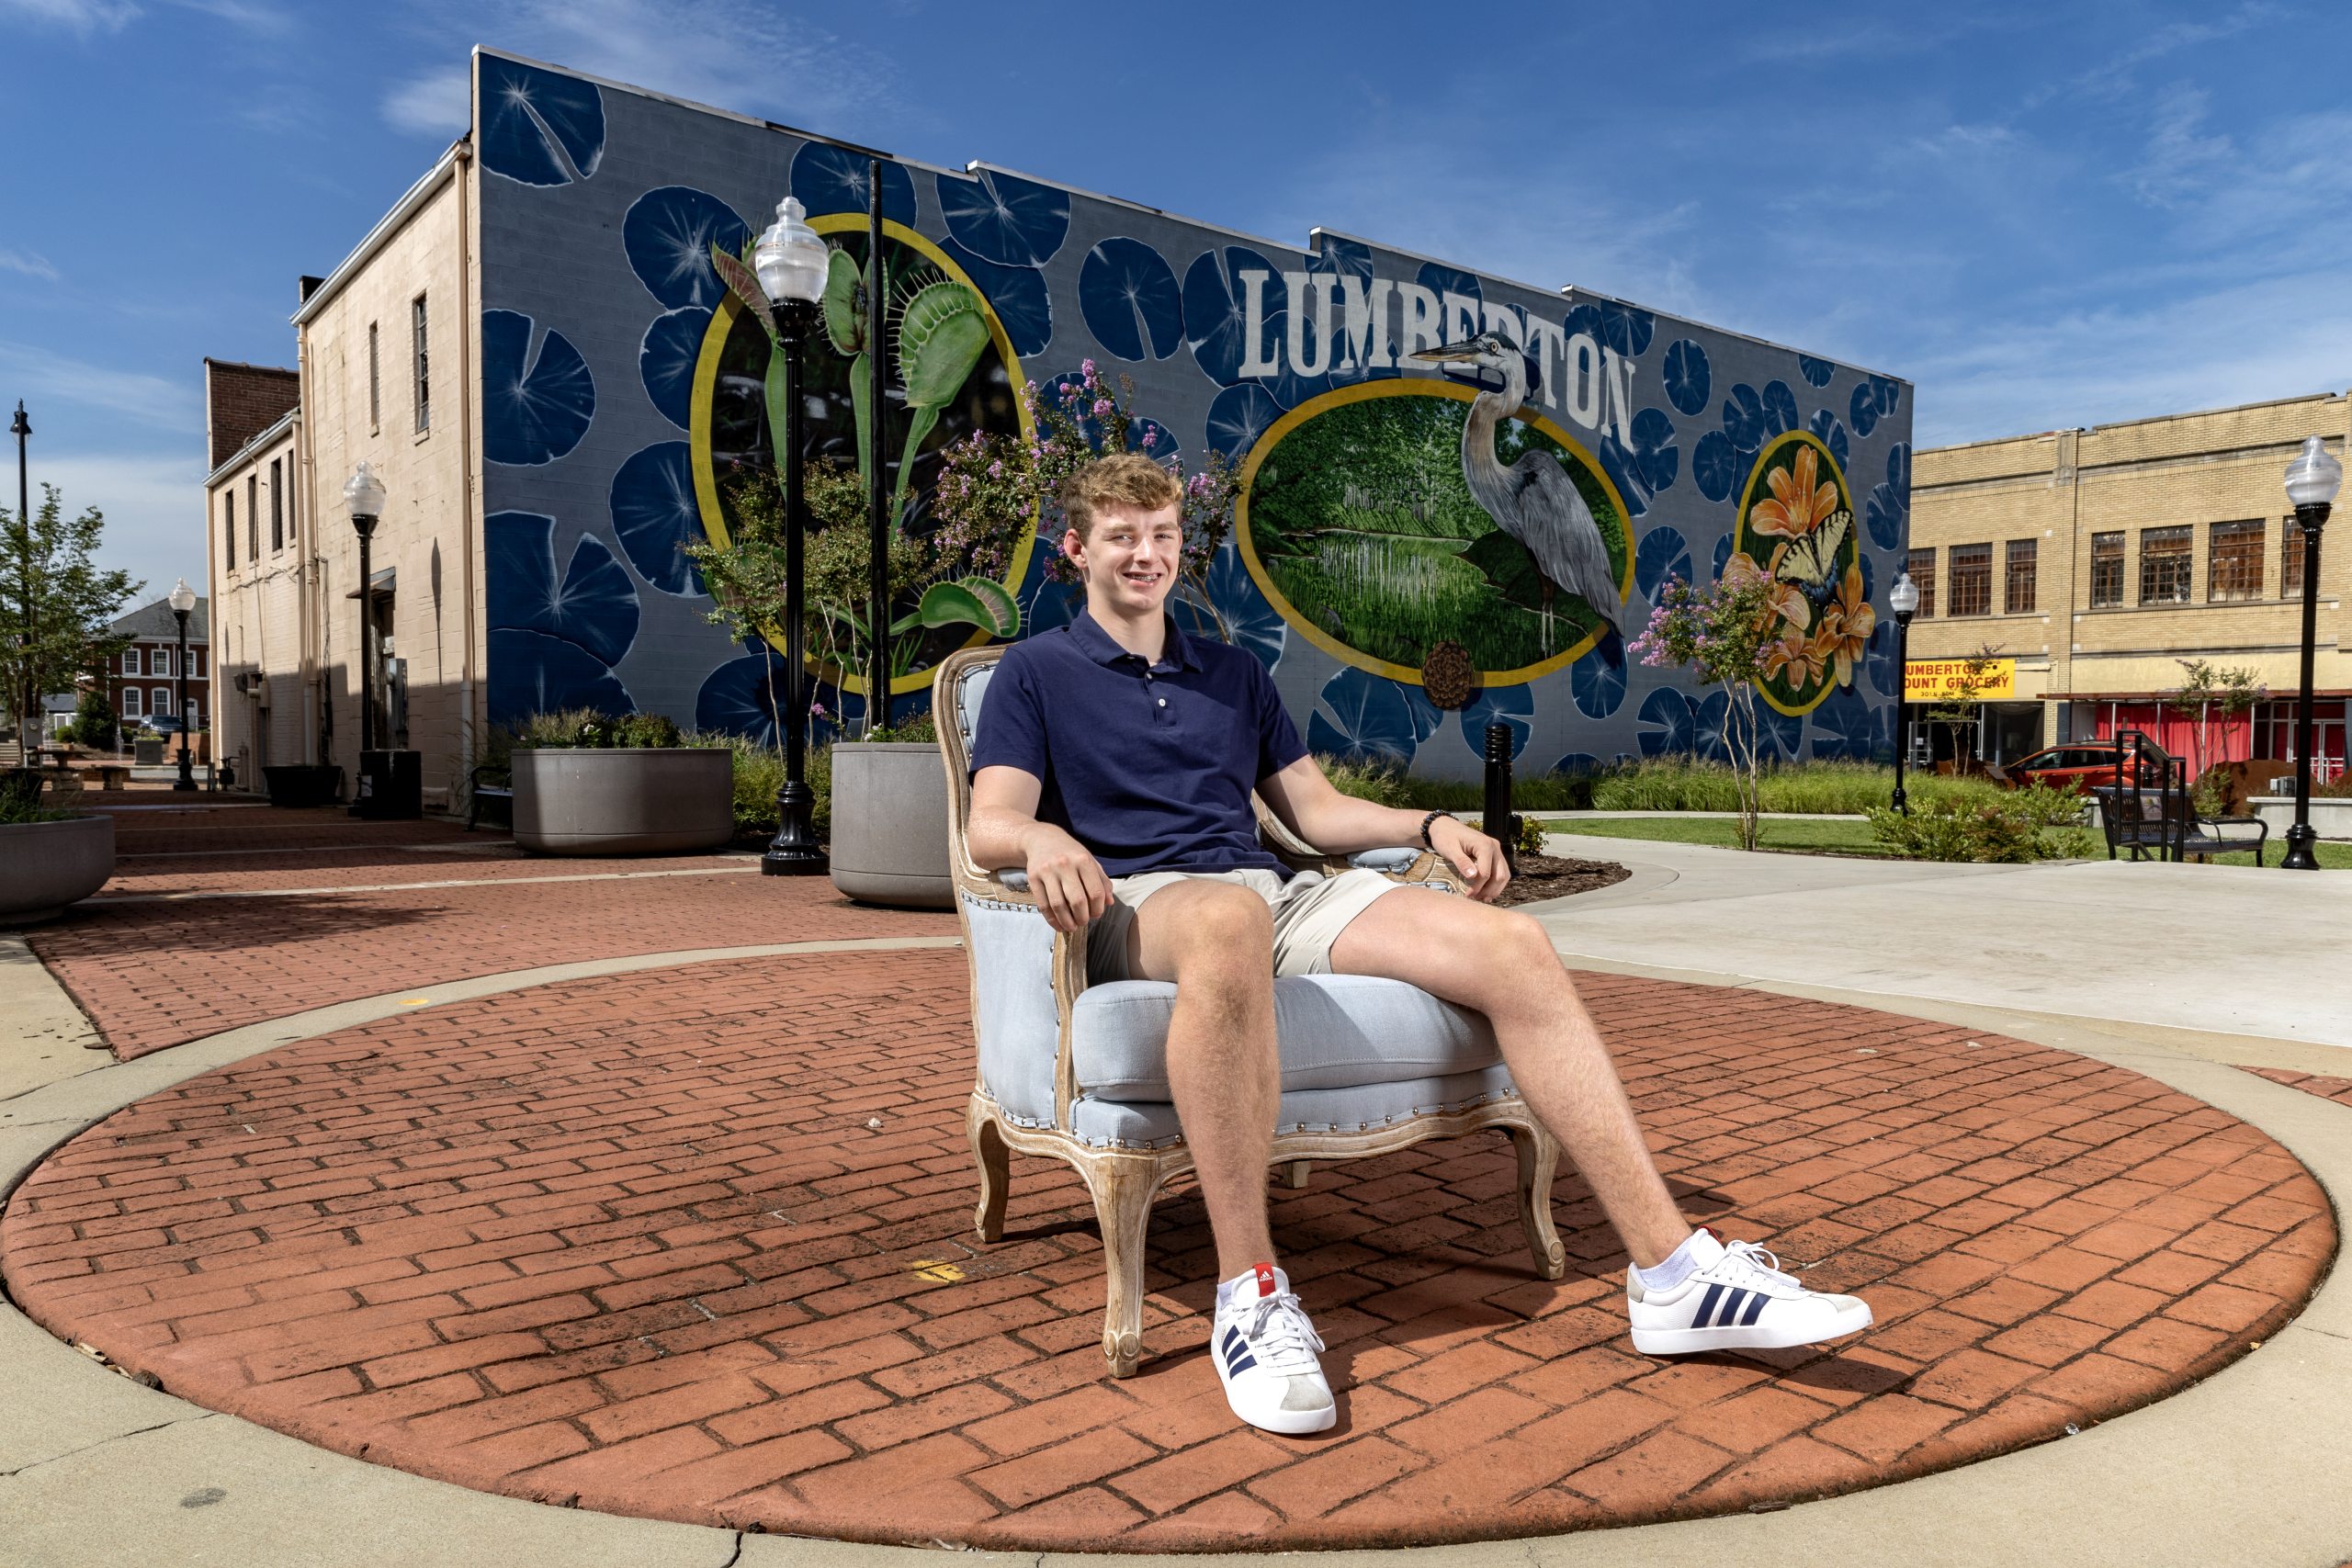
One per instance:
(1123, 1182)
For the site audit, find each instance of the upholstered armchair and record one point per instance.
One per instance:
(1079, 1073)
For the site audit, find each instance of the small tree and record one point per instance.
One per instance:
(1725, 635)
(2232, 690)
(60, 602)
(93, 721)
(1959, 703)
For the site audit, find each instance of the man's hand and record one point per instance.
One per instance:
(1070, 886)
(1478, 857)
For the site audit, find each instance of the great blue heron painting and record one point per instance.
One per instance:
(1533, 500)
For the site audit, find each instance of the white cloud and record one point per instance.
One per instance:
(154, 507)
(30, 263)
(80, 17)
(149, 400)
(730, 54)
(440, 104)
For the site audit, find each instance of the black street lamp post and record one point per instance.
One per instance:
(1904, 600)
(2312, 482)
(182, 599)
(21, 427)
(791, 262)
(363, 494)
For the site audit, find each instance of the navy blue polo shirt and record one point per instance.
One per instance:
(1149, 766)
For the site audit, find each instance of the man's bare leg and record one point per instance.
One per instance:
(1503, 965)
(1216, 940)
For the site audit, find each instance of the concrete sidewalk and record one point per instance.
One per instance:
(2231, 950)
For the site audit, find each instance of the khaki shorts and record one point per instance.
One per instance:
(1310, 911)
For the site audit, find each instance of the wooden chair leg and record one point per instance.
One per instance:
(1295, 1174)
(1123, 1187)
(1539, 1158)
(989, 1155)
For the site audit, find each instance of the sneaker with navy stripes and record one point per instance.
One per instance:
(1264, 1350)
(1736, 1298)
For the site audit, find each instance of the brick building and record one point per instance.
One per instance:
(2096, 561)
(142, 681)
(257, 562)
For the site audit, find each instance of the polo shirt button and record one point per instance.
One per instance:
(1163, 702)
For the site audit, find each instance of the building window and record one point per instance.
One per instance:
(131, 701)
(1922, 567)
(229, 525)
(2290, 559)
(2107, 571)
(2233, 562)
(277, 504)
(161, 663)
(375, 383)
(2167, 569)
(130, 662)
(423, 385)
(253, 517)
(2020, 581)
(159, 700)
(1972, 579)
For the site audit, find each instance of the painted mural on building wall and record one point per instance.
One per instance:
(1434, 465)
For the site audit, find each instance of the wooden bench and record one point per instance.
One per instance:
(479, 789)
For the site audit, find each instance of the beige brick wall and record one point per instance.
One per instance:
(2062, 488)
(257, 610)
(430, 533)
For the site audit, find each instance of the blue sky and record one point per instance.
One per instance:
(2044, 215)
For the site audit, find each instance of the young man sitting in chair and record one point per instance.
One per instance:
(1114, 765)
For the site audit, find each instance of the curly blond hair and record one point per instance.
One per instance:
(1125, 478)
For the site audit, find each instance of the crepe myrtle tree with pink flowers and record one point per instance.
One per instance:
(1079, 418)
(1726, 635)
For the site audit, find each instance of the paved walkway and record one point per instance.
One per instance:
(633, 1242)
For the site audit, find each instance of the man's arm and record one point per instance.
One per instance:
(1341, 824)
(1070, 883)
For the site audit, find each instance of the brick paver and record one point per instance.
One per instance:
(2321, 1084)
(695, 1245)
(152, 974)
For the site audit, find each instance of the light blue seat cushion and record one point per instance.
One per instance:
(1144, 1124)
(1336, 1032)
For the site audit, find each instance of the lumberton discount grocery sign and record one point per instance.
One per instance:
(1947, 680)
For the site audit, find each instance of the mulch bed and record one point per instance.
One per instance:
(1556, 876)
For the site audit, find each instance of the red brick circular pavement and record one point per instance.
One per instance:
(633, 1243)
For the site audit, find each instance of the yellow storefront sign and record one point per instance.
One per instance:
(1951, 680)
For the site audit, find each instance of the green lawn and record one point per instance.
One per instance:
(1832, 836)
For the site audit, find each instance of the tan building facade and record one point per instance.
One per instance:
(2097, 560)
(383, 344)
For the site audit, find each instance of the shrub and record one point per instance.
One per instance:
(1530, 837)
(94, 719)
(586, 728)
(1367, 781)
(759, 773)
(1943, 830)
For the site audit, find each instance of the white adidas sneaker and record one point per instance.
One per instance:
(1736, 1299)
(1264, 1350)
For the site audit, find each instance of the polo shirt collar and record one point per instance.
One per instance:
(1097, 645)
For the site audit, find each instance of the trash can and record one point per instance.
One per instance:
(391, 785)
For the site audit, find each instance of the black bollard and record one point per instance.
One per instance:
(1499, 822)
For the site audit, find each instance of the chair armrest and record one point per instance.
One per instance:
(1010, 886)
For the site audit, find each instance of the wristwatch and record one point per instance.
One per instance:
(1429, 821)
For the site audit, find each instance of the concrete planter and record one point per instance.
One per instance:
(2331, 815)
(625, 801)
(890, 824)
(44, 866)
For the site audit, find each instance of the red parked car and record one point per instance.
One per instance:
(2076, 768)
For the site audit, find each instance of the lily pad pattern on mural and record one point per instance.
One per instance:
(1003, 218)
(535, 406)
(666, 360)
(594, 605)
(538, 128)
(833, 179)
(668, 234)
(1127, 293)
(1362, 718)
(655, 513)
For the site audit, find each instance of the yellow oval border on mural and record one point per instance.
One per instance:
(1413, 387)
(714, 344)
(1739, 536)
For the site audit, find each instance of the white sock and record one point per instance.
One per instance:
(1669, 1271)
